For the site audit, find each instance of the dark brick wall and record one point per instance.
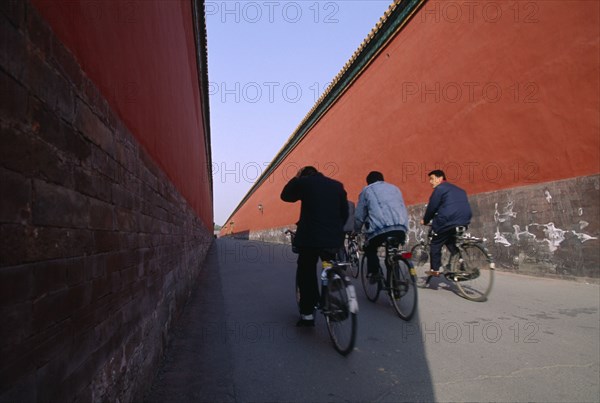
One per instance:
(98, 250)
(548, 229)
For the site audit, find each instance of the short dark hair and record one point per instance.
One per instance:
(438, 173)
(308, 171)
(374, 176)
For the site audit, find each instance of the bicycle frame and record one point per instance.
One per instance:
(337, 303)
(470, 267)
(399, 281)
(329, 268)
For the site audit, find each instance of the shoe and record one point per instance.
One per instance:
(432, 273)
(306, 321)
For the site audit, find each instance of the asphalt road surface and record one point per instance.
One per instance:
(535, 339)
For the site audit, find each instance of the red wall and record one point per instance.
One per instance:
(404, 116)
(142, 57)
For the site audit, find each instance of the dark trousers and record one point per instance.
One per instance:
(447, 238)
(306, 276)
(374, 243)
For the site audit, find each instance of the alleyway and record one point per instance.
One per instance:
(534, 340)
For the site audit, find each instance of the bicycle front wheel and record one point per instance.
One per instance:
(371, 287)
(420, 258)
(340, 312)
(403, 289)
(473, 272)
(353, 258)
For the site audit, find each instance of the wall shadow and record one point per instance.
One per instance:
(239, 340)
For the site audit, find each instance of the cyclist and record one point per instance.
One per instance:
(319, 233)
(348, 229)
(447, 209)
(382, 212)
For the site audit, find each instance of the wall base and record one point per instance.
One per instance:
(546, 229)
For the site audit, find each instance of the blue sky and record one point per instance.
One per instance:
(268, 63)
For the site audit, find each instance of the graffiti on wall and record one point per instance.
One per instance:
(553, 236)
(551, 228)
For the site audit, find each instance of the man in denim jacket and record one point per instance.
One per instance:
(382, 212)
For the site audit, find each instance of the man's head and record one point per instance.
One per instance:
(374, 176)
(436, 177)
(308, 171)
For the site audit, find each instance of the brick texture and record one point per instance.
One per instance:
(98, 250)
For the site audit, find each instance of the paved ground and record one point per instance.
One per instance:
(535, 339)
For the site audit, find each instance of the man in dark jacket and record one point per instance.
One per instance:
(447, 209)
(319, 234)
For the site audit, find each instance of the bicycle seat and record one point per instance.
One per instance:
(392, 242)
(460, 230)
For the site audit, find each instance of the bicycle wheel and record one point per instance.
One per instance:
(473, 272)
(403, 289)
(353, 258)
(371, 289)
(420, 258)
(340, 312)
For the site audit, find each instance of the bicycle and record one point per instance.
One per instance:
(471, 269)
(352, 252)
(400, 282)
(337, 303)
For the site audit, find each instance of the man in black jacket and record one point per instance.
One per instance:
(449, 208)
(319, 234)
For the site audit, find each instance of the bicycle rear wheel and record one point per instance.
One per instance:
(473, 272)
(420, 258)
(371, 288)
(403, 289)
(340, 312)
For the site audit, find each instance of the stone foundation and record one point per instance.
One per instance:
(544, 229)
